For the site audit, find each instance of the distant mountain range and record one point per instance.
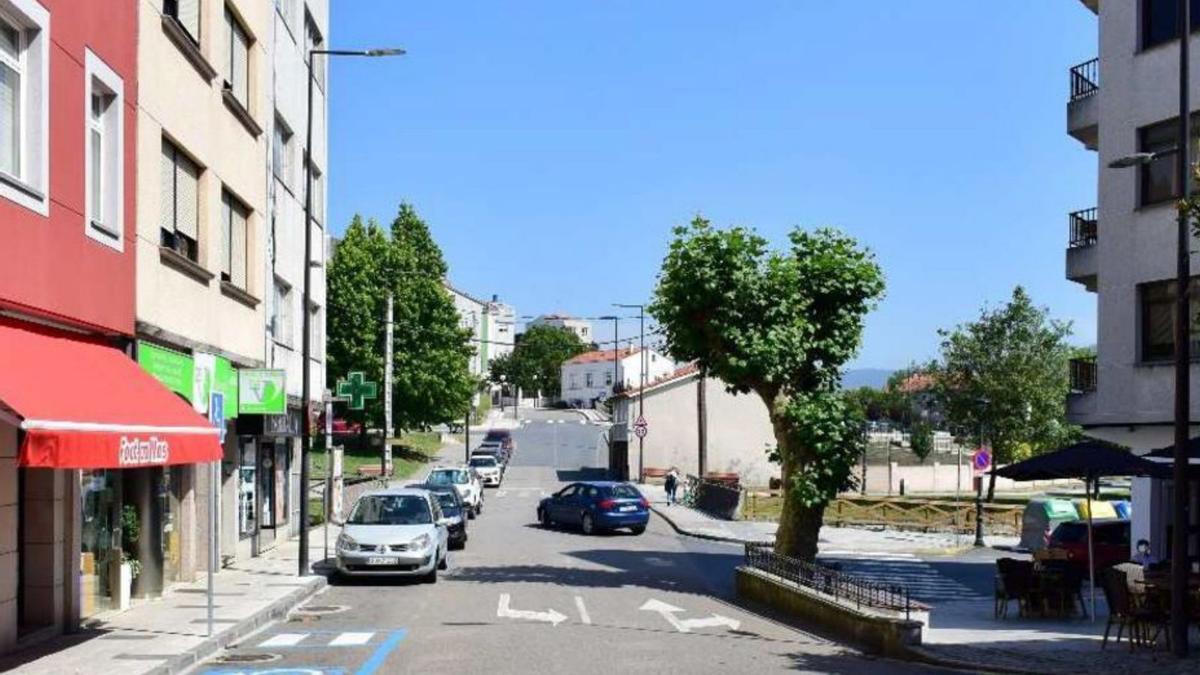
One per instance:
(865, 377)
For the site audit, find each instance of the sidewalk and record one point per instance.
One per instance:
(168, 635)
(689, 521)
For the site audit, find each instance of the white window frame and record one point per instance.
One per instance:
(282, 169)
(109, 229)
(31, 189)
(281, 313)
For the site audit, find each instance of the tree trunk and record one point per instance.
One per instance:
(991, 493)
(799, 525)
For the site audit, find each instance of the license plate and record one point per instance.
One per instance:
(381, 561)
(628, 507)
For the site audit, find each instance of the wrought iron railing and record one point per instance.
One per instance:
(829, 581)
(1083, 375)
(1085, 80)
(1083, 228)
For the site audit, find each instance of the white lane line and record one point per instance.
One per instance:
(284, 640)
(583, 613)
(351, 639)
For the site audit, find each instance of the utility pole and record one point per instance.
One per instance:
(642, 361)
(702, 423)
(1183, 322)
(387, 390)
(305, 311)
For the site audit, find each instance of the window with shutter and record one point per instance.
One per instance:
(234, 218)
(237, 66)
(187, 13)
(179, 202)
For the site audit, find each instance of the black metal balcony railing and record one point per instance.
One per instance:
(1085, 80)
(1083, 228)
(1083, 375)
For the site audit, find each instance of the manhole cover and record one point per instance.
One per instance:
(249, 658)
(320, 609)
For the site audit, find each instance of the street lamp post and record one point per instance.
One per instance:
(641, 382)
(1182, 338)
(306, 321)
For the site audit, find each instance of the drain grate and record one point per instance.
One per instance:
(320, 609)
(249, 658)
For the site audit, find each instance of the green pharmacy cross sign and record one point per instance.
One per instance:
(356, 389)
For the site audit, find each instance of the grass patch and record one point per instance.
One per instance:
(410, 452)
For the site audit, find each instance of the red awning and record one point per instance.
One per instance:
(84, 405)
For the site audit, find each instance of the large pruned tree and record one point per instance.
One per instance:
(779, 324)
(1003, 380)
(536, 361)
(431, 372)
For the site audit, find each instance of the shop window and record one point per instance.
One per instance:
(247, 489)
(105, 128)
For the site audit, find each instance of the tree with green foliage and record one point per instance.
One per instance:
(920, 441)
(431, 374)
(431, 381)
(1003, 381)
(536, 361)
(355, 309)
(780, 325)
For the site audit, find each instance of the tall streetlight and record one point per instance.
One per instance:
(641, 381)
(1182, 356)
(306, 338)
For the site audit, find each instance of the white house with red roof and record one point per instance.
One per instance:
(589, 378)
(738, 430)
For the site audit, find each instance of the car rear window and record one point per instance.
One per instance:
(496, 435)
(624, 492)
(1070, 533)
(447, 477)
(483, 461)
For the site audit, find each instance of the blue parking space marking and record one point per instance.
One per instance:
(381, 653)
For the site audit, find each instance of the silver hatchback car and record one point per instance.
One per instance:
(399, 531)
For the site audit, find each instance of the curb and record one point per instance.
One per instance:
(702, 535)
(276, 610)
(923, 655)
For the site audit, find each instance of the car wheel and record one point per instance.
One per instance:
(588, 524)
(544, 519)
(479, 508)
(471, 513)
(444, 563)
(431, 578)
(637, 529)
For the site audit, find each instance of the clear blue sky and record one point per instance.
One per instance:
(552, 145)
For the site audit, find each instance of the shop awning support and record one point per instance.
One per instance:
(214, 478)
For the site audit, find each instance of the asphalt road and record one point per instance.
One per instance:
(521, 599)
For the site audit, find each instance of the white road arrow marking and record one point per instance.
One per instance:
(505, 612)
(668, 612)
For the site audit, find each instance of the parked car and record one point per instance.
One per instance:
(1110, 539)
(496, 449)
(502, 436)
(398, 531)
(463, 479)
(492, 451)
(453, 508)
(488, 467)
(595, 506)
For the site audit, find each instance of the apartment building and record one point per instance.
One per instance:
(580, 327)
(296, 27)
(204, 108)
(76, 460)
(1123, 248)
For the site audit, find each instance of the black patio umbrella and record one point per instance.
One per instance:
(1090, 460)
(1193, 450)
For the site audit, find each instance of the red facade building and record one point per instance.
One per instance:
(84, 432)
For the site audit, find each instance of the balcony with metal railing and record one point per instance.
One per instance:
(1083, 107)
(1083, 379)
(1083, 235)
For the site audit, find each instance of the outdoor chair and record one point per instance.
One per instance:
(1128, 614)
(1014, 581)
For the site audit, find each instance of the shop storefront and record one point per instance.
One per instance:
(266, 439)
(103, 473)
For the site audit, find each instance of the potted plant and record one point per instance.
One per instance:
(129, 567)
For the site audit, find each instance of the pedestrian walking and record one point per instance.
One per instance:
(672, 484)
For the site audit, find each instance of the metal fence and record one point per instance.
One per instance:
(1083, 230)
(829, 581)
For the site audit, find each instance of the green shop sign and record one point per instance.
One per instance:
(194, 377)
(262, 392)
(174, 369)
